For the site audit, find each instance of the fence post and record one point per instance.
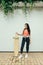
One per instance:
(16, 45)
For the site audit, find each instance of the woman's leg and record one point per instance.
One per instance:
(27, 44)
(22, 45)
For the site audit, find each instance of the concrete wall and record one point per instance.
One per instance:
(13, 23)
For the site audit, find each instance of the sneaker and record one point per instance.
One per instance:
(26, 56)
(20, 56)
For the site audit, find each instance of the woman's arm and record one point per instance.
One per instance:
(19, 34)
(30, 39)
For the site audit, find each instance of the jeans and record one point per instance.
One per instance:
(27, 40)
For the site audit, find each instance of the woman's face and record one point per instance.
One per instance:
(25, 26)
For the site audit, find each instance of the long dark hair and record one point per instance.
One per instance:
(28, 27)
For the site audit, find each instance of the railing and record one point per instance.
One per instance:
(35, 4)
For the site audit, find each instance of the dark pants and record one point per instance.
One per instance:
(27, 40)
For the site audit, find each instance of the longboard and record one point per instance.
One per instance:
(16, 45)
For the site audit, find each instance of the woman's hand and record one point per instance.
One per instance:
(17, 33)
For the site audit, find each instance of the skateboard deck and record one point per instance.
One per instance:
(16, 45)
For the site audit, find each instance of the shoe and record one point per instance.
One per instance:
(26, 56)
(20, 56)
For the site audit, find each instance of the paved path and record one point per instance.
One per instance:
(10, 59)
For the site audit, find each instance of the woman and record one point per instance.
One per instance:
(26, 38)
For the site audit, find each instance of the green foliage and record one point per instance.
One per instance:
(0, 1)
(7, 6)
